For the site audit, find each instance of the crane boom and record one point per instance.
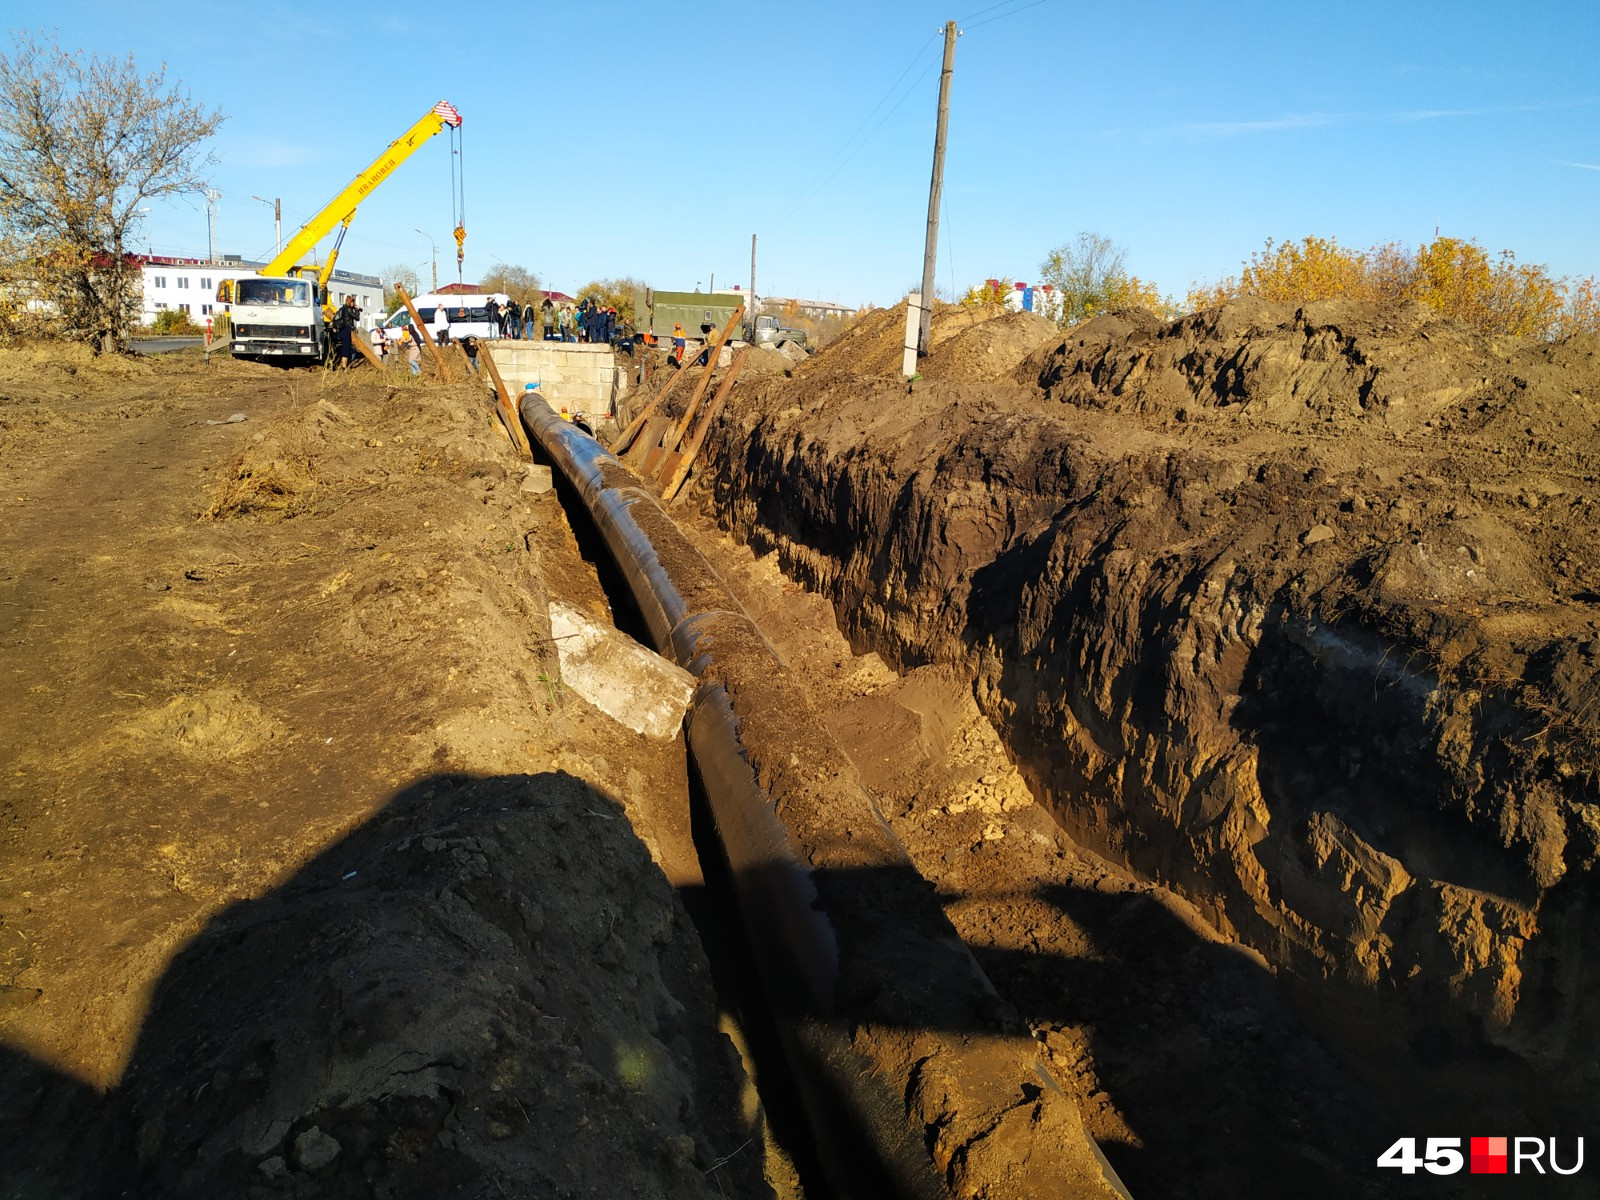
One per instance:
(342, 207)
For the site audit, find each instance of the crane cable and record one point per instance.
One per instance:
(458, 196)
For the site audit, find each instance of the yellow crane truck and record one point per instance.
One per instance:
(283, 314)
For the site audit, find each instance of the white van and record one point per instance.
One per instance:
(468, 314)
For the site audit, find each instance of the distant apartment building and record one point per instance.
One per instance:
(190, 284)
(809, 308)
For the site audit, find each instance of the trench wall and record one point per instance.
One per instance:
(1350, 783)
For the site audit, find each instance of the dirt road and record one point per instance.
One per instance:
(313, 877)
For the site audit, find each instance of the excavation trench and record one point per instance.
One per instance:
(916, 1077)
(1286, 614)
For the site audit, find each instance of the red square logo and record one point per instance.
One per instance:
(1489, 1156)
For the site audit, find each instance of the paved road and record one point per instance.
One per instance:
(165, 345)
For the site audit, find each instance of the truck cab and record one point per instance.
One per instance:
(277, 319)
(769, 331)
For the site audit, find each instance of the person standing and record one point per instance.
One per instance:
(441, 326)
(547, 312)
(413, 349)
(380, 343)
(679, 343)
(514, 319)
(496, 321)
(345, 322)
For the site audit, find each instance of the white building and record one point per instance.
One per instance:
(1035, 298)
(817, 309)
(190, 284)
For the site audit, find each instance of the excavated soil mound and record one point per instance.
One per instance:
(1294, 612)
(973, 343)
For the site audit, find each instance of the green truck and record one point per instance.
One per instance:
(702, 314)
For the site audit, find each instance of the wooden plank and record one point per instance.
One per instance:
(625, 438)
(654, 427)
(677, 469)
(675, 434)
(507, 409)
(359, 341)
(427, 337)
(649, 442)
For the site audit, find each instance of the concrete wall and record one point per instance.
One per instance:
(574, 375)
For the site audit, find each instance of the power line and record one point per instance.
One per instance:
(981, 11)
(949, 250)
(846, 149)
(1004, 15)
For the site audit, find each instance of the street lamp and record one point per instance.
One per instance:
(277, 219)
(435, 246)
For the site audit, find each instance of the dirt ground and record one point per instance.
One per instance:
(1230, 681)
(314, 877)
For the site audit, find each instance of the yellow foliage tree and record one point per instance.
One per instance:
(1089, 277)
(1457, 279)
(990, 291)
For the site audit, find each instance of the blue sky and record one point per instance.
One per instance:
(625, 139)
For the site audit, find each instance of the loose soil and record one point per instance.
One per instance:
(314, 878)
(1231, 681)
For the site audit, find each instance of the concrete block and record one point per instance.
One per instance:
(538, 480)
(634, 686)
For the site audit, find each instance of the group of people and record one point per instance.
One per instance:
(406, 338)
(585, 322)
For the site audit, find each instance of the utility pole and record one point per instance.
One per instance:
(435, 246)
(750, 309)
(212, 196)
(277, 219)
(930, 251)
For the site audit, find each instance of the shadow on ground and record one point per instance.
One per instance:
(487, 990)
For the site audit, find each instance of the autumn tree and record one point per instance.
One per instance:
(990, 291)
(1457, 279)
(85, 144)
(521, 284)
(1090, 277)
(399, 275)
(613, 293)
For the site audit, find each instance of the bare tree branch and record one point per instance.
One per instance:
(84, 143)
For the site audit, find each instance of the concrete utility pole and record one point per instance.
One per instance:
(435, 246)
(212, 196)
(751, 310)
(277, 219)
(931, 249)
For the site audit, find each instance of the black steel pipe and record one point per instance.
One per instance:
(884, 1015)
